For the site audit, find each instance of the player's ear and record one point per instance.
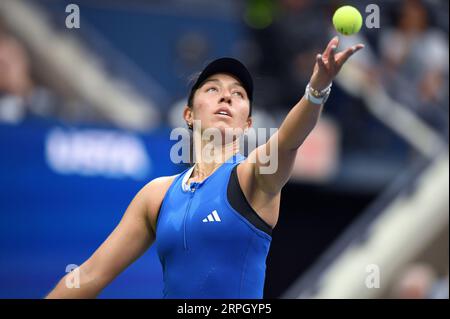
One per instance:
(188, 115)
(249, 123)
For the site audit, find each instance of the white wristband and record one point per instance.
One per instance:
(316, 97)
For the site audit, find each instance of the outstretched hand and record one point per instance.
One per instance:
(329, 63)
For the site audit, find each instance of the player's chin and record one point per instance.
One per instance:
(222, 123)
(224, 128)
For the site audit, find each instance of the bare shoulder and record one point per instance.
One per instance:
(156, 184)
(153, 193)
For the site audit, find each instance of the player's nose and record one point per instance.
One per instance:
(226, 97)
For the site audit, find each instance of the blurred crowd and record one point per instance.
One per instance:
(414, 62)
(411, 60)
(410, 57)
(419, 280)
(21, 96)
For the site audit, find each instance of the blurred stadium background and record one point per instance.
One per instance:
(86, 115)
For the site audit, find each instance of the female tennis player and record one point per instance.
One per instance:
(212, 223)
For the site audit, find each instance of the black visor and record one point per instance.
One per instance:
(229, 66)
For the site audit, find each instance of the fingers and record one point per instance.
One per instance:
(320, 62)
(330, 60)
(332, 57)
(333, 42)
(344, 56)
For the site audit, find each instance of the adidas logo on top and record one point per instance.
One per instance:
(213, 217)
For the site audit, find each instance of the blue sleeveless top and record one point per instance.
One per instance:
(207, 248)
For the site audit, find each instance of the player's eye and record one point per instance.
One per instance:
(238, 93)
(211, 89)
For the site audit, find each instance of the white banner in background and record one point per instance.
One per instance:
(94, 152)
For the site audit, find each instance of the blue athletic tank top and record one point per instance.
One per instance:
(207, 248)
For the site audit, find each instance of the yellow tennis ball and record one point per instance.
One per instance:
(347, 20)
